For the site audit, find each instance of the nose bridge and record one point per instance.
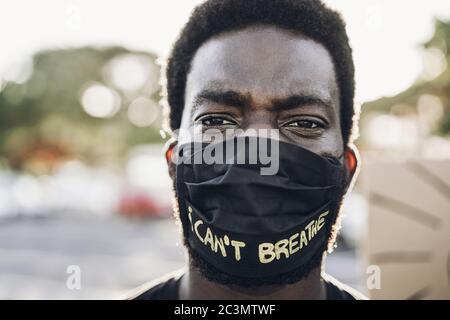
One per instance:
(259, 116)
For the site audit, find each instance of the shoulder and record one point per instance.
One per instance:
(339, 291)
(163, 288)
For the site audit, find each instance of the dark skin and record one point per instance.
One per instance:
(263, 77)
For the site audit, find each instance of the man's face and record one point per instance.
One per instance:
(265, 78)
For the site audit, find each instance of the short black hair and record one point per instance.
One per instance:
(310, 17)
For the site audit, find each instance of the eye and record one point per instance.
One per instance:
(305, 124)
(216, 121)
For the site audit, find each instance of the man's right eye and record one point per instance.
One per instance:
(216, 121)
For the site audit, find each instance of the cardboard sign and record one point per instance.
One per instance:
(409, 228)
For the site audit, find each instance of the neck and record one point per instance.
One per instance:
(194, 286)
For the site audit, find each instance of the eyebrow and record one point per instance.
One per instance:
(226, 97)
(298, 100)
(240, 100)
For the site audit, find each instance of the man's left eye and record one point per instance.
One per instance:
(306, 124)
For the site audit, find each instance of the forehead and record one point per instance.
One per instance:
(265, 62)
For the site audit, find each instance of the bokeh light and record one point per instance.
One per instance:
(430, 109)
(391, 132)
(143, 112)
(434, 63)
(100, 101)
(129, 72)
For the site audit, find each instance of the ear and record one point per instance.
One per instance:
(168, 152)
(351, 156)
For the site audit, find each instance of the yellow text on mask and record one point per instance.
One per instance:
(268, 251)
(216, 243)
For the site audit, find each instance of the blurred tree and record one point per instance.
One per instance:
(76, 104)
(430, 94)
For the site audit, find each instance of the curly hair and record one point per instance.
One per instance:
(310, 17)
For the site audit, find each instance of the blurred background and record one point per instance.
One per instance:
(83, 179)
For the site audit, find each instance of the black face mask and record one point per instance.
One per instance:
(250, 225)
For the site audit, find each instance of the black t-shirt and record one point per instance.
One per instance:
(167, 288)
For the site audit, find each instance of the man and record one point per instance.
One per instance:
(281, 65)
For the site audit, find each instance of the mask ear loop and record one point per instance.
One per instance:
(169, 153)
(335, 160)
(351, 160)
(339, 175)
(181, 196)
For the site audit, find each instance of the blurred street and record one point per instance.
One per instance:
(114, 254)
